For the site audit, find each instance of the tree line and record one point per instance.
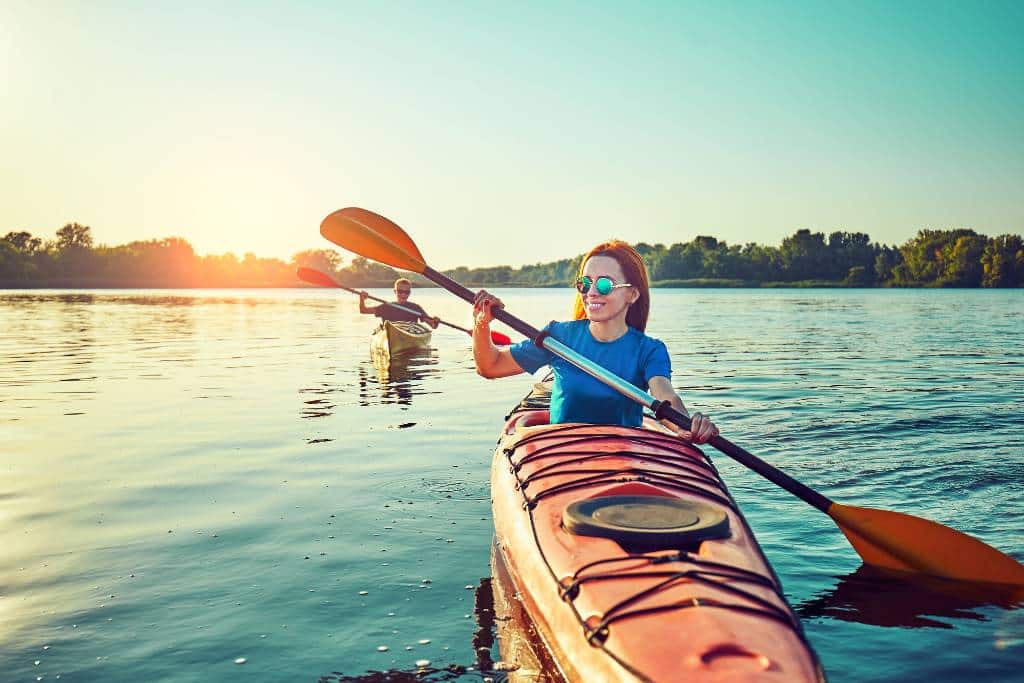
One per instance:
(933, 258)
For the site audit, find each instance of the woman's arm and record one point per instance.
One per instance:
(701, 428)
(491, 362)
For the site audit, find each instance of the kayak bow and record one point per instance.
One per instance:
(394, 338)
(632, 560)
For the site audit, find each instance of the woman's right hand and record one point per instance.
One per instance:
(483, 305)
(363, 295)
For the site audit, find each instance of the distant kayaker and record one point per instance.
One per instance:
(389, 311)
(610, 315)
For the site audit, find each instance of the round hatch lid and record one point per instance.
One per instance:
(651, 522)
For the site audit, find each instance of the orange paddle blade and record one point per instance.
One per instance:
(902, 542)
(315, 277)
(373, 236)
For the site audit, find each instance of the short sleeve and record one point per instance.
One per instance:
(656, 362)
(529, 356)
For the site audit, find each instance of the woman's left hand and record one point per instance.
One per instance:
(702, 429)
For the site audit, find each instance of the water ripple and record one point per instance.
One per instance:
(193, 478)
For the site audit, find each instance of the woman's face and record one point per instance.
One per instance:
(606, 307)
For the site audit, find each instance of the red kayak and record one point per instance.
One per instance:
(631, 559)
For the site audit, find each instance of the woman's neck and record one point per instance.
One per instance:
(609, 330)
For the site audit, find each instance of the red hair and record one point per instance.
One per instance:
(633, 268)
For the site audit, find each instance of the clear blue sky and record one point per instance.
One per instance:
(510, 133)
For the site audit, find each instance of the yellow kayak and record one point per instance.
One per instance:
(393, 338)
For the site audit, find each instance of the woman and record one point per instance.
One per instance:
(610, 317)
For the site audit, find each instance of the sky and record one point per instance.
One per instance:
(510, 133)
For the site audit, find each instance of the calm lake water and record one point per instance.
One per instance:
(220, 485)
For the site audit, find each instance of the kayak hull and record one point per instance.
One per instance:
(524, 655)
(708, 610)
(396, 338)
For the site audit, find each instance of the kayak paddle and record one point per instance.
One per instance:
(315, 277)
(890, 540)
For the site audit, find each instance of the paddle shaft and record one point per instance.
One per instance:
(402, 308)
(467, 295)
(661, 409)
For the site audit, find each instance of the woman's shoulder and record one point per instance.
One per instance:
(645, 340)
(639, 334)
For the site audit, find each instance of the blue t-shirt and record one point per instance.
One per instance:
(578, 397)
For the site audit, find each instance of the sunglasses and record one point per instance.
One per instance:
(604, 284)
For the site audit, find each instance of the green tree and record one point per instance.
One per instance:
(713, 255)
(933, 257)
(496, 275)
(760, 263)
(851, 250)
(1002, 262)
(652, 255)
(19, 253)
(961, 261)
(926, 257)
(886, 260)
(805, 256)
(219, 270)
(74, 259)
(324, 260)
(13, 264)
(680, 262)
(74, 236)
(365, 273)
(24, 242)
(460, 274)
(646, 250)
(555, 272)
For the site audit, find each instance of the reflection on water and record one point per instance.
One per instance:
(878, 598)
(502, 621)
(380, 380)
(484, 668)
(385, 380)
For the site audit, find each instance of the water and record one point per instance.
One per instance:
(221, 485)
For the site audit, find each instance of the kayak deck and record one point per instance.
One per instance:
(623, 610)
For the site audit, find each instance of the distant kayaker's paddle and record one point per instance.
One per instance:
(891, 540)
(315, 277)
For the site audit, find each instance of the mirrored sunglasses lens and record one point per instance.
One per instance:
(604, 286)
(583, 284)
